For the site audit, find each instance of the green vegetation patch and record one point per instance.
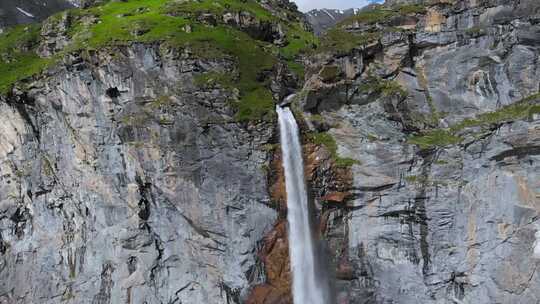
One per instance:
(381, 14)
(374, 15)
(299, 41)
(411, 9)
(475, 31)
(518, 111)
(175, 24)
(213, 79)
(329, 142)
(166, 21)
(329, 73)
(379, 86)
(340, 41)
(182, 8)
(435, 138)
(18, 59)
(522, 110)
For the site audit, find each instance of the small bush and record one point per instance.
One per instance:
(338, 40)
(329, 142)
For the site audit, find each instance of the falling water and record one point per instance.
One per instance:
(308, 285)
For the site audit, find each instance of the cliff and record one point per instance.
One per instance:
(437, 104)
(133, 150)
(140, 161)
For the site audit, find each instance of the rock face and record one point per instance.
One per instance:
(118, 183)
(443, 209)
(126, 175)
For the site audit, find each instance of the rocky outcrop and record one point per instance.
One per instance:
(117, 182)
(145, 169)
(127, 174)
(54, 33)
(438, 105)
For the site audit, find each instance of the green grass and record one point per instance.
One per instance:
(124, 23)
(329, 142)
(411, 9)
(519, 111)
(340, 41)
(152, 21)
(213, 79)
(329, 72)
(522, 110)
(18, 59)
(219, 8)
(297, 68)
(163, 21)
(435, 138)
(381, 14)
(379, 86)
(299, 40)
(370, 16)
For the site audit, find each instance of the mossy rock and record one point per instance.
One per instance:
(326, 140)
(18, 59)
(126, 22)
(341, 41)
(438, 138)
(330, 73)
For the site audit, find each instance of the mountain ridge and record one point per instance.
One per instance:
(323, 19)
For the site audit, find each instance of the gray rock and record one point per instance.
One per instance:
(455, 224)
(123, 182)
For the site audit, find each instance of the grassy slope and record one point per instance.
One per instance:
(341, 41)
(122, 23)
(17, 59)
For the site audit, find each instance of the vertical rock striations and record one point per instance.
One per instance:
(436, 103)
(133, 151)
(138, 159)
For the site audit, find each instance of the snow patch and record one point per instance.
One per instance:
(27, 14)
(74, 3)
(333, 18)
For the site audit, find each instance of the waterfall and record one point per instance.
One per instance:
(308, 285)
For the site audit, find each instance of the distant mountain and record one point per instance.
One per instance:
(14, 12)
(323, 19)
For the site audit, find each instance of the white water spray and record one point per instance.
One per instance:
(308, 286)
